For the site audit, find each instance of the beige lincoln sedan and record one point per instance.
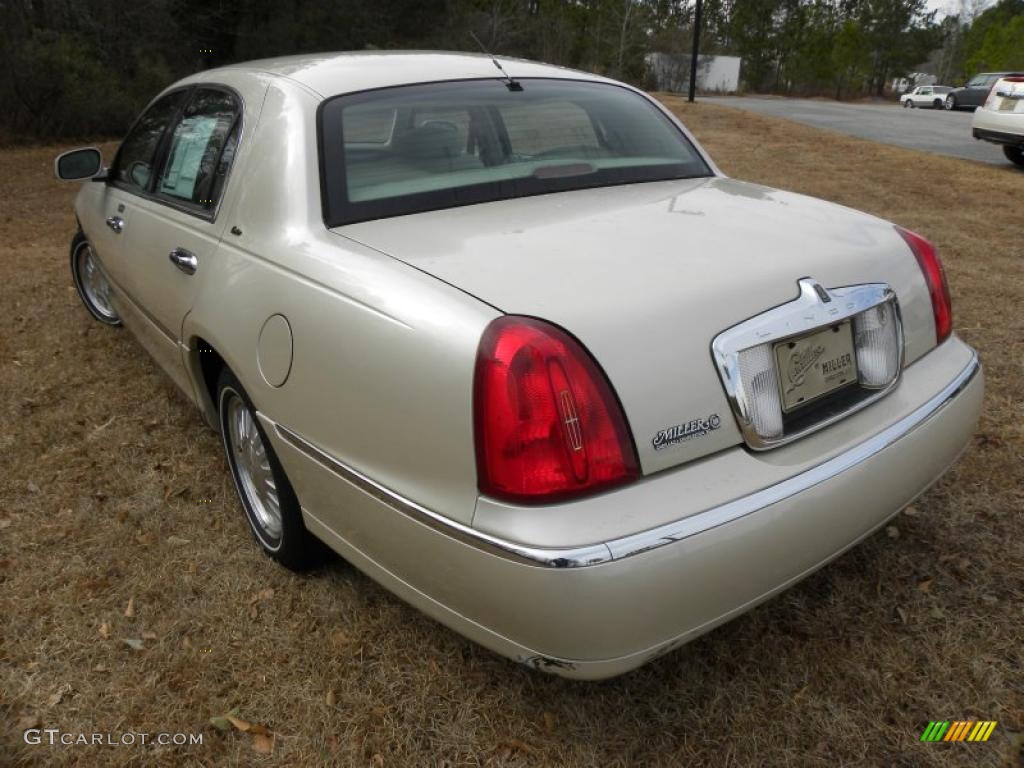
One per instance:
(503, 336)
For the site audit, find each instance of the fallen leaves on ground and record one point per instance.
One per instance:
(507, 746)
(261, 596)
(59, 694)
(262, 737)
(26, 722)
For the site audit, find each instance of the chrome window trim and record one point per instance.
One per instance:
(815, 308)
(654, 538)
(209, 216)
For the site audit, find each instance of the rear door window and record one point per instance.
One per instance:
(201, 149)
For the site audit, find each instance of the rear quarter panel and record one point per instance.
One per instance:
(382, 371)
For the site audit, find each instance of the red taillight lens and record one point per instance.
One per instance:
(935, 277)
(547, 422)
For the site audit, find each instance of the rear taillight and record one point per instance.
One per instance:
(935, 278)
(547, 422)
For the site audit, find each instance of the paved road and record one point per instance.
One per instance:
(938, 131)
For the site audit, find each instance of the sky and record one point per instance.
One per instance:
(946, 7)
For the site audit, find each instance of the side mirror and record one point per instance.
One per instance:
(79, 165)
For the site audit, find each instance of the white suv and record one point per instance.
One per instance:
(1001, 119)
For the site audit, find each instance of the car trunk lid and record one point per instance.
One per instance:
(646, 275)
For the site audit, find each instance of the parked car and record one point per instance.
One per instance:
(973, 94)
(510, 342)
(926, 96)
(1001, 118)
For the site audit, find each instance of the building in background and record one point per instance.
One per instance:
(912, 80)
(671, 72)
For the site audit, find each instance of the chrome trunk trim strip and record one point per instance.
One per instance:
(645, 541)
(815, 308)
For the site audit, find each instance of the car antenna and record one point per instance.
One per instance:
(512, 85)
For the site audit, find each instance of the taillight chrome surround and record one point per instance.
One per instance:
(736, 350)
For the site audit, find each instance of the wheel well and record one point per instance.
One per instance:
(210, 364)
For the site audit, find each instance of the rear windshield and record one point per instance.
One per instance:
(403, 150)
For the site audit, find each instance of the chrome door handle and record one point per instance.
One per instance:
(116, 223)
(184, 260)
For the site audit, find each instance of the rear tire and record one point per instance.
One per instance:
(937, 104)
(268, 499)
(1015, 155)
(90, 282)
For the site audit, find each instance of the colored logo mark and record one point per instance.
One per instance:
(958, 730)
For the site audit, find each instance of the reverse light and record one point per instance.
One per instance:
(758, 391)
(935, 278)
(547, 423)
(877, 343)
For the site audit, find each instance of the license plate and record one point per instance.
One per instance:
(814, 365)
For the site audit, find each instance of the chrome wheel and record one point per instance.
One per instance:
(268, 499)
(255, 477)
(92, 284)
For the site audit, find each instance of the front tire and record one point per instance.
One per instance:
(906, 103)
(268, 499)
(1015, 155)
(90, 282)
(950, 103)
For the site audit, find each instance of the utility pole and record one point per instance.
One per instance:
(696, 50)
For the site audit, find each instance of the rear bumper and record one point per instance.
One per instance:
(635, 597)
(998, 127)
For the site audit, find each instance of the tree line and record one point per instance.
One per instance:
(80, 68)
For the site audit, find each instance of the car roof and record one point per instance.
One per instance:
(331, 74)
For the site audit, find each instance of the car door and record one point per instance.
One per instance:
(106, 221)
(977, 90)
(174, 229)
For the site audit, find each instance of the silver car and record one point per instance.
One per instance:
(504, 337)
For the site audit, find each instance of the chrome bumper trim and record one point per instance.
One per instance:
(645, 541)
(571, 557)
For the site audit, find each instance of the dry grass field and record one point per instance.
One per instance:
(119, 528)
